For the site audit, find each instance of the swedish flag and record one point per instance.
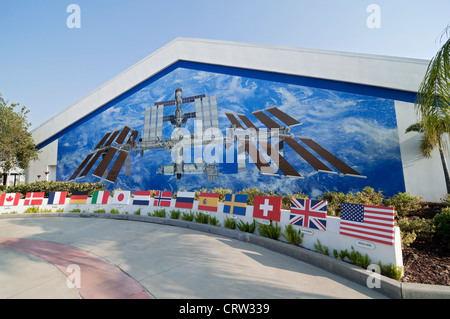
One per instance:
(235, 204)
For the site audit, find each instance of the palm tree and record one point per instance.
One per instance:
(433, 105)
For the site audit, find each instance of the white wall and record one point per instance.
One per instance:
(47, 160)
(423, 176)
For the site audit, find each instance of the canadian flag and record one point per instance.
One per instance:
(267, 208)
(9, 199)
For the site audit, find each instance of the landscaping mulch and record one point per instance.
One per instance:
(427, 262)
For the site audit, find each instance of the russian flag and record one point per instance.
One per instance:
(141, 198)
(57, 198)
(185, 200)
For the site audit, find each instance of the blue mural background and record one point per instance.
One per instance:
(359, 129)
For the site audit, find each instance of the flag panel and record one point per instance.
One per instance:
(100, 197)
(235, 204)
(57, 198)
(163, 198)
(208, 202)
(79, 197)
(185, 200)
(9, 199)
(267, 207)
(121, 197)
(34, 198)
(371, 223)
(142, 198)
(308, 213)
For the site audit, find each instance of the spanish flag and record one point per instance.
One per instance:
(79, 197)
(209, 202)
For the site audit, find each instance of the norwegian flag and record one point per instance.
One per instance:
(9, 199)
(34, 198)
(163, 198)
(309, 213)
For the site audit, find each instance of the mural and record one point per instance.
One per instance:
(360, 130)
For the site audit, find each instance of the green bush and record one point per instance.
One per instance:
(230, 223)
(175, 214)
(32, 210)
(188, 216)
(213, 221)
(114, 211)
(100, 211)
(201, 218)
(159, 213)
(48, 187)
(415, 228)
(270, 231)
(355, 257)
(442, 223)
(391, 271)
(404, 203)
(294, 237)
(321, 248)
(246, 227)
(446, 199)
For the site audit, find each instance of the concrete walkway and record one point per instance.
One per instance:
(166, 261)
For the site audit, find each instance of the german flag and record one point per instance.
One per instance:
(208, 202)
(79, 197)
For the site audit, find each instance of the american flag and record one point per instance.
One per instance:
(309, 213)
(371, 223)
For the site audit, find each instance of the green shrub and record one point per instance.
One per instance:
(391, 271)
(32, 210)
(270, 231)
(48, 187)
(75, 210)
(201, 218)
(420, 227)
(158, 213)
(138, 212)
(294, 237)
(321, 248)
(446, 199)
(214, 221)
(356, 258)
(175, 214)
(114, 211)
(100, 211)
(247, 227)
(230, 223)
(442, 223)
(403, 203)
(188, 216)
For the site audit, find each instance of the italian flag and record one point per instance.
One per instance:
(100, 197)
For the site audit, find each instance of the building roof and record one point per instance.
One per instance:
(401, 74)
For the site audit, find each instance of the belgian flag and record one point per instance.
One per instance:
(208, 202)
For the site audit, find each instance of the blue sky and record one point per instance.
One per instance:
(47, 67)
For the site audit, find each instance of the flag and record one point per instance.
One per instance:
(185, 200)
(121, 197)
(368, 222)
(163, 198)
(57, 198)
(79, 197)
(141, 198)
(209, 202)
(267, 207)
(34, 198)
(309, 213)
(9, 199)
(235, 204)
(100, 197)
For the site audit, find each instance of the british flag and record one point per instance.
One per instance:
(309, 213)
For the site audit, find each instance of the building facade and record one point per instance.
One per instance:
(205, 114)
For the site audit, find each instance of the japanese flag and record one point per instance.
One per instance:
(121, 197)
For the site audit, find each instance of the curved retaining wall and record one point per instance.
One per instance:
(389, 287)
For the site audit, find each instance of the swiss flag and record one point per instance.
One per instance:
(9, 199)
(267, 208)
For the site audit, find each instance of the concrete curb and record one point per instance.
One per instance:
(388, 287)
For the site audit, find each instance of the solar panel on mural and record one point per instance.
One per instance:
(262, 165)
(267, 121)
(234, 120)
(247, 122)
(288, 120)
(336, 162)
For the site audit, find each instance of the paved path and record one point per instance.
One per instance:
(156, 261)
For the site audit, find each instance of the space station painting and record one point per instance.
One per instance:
(192, 128)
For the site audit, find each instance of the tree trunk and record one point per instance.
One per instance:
(445, 167)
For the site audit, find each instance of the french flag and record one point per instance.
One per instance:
(57, 198)
(185, 200)
(141, 198)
